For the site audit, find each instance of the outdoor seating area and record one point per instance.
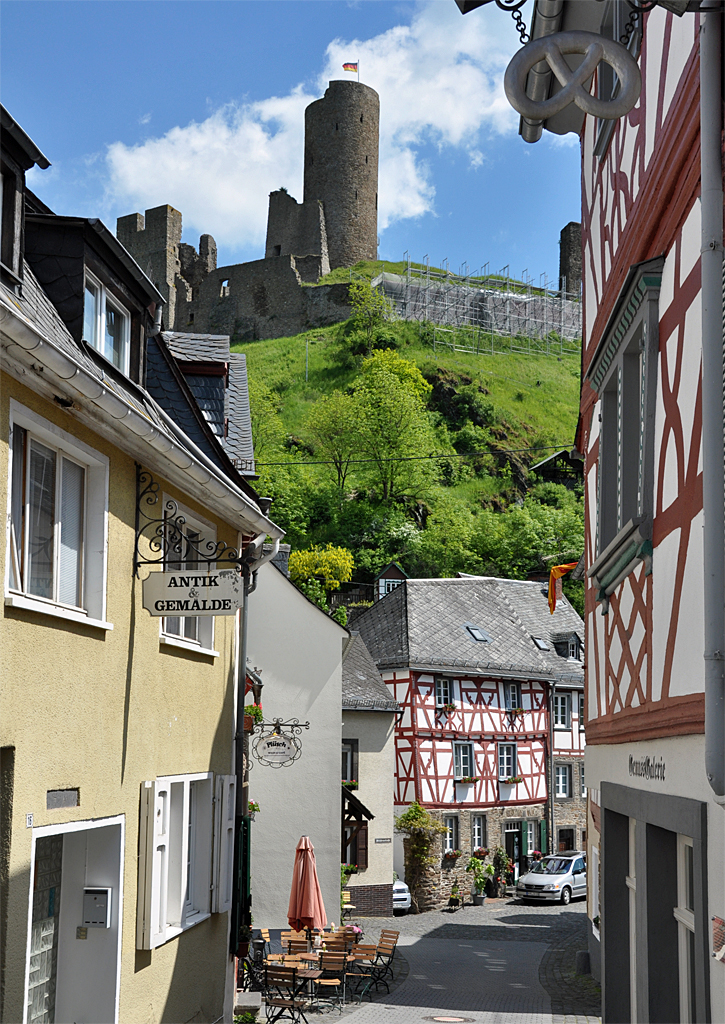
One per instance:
(301, 973)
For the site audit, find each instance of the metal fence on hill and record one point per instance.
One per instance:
(486, 312)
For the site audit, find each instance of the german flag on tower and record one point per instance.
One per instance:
(350, 67)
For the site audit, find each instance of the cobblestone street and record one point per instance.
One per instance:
(505, 961)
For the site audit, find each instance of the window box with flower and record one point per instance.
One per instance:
(350, 783)
(451, 855)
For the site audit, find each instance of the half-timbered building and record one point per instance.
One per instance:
(476, 665)
(651, 431)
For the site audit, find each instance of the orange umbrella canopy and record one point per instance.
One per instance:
(306, 909)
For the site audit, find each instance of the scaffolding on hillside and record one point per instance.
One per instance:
(486, 313)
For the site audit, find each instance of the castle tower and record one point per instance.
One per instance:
(341, 169)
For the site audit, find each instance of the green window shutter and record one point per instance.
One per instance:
(525, 838)
(543, 837)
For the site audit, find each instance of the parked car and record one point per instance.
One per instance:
(559, 877)
(401, 896)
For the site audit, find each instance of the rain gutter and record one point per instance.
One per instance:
(713, 477)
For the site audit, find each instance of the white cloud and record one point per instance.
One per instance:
(439, 80)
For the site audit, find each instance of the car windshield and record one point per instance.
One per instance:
(551, 866)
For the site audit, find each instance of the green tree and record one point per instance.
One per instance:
(444, 547)
(421, 831)
(370, 311)
(394, 432)
(528, 536)
(332, 565)
(407, 373)
(332, 429)
(268, 431)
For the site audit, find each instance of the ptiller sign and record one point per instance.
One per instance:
(191, 593)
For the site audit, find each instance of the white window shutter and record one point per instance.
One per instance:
(224, 812)
(153, 865)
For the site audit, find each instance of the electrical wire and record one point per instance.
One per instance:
(419, 458)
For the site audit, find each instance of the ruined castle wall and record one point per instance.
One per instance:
(262, 299)
(153, 241)
(341, 169)
(296, 229)
(570, 257)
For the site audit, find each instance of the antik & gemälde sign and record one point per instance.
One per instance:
(193, 592)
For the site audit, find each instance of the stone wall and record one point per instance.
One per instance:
(297, 229)
(262, 299)
(153, 241)
(570, 257)
(571, 812)
(371, 900)
(439, 878)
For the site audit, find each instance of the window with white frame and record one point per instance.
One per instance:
(57, 526)
(478, 831)
(106, 324)
(506, 760)
(350, 761)
(574, 648)
(190, 537)
(464, 763)
(512, 696)
(444, 692)
(562, 773)
(685, 916)
(562, 707)
(450, 838)
(183, 846)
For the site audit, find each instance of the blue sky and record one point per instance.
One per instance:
(200, 103)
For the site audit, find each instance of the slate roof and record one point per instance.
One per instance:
(363, 688)
(422, 624)
(198, 348)
(217, 402)
(163, 385)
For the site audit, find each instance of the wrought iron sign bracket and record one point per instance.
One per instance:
(286, 751)
(164, 529)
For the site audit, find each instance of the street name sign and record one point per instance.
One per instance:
(192, 592)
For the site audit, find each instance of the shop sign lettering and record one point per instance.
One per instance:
(651, 768)
(193, 593)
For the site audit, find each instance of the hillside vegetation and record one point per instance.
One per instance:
(377, 402)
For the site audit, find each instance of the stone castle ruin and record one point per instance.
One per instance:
(335, 225)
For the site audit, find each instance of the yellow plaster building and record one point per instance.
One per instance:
(116, 726)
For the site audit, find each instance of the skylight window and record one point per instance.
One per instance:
(541, 644)
(476, 633)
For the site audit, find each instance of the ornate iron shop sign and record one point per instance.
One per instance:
(277, 744)
(184, 593)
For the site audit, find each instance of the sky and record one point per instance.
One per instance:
(200, 104)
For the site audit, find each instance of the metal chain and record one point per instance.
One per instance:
(636, 12)
(514, 7)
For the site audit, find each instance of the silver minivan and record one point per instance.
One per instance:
(558, 877)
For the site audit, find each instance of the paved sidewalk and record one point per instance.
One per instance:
(500, 963)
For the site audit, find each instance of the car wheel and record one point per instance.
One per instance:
(566, 895)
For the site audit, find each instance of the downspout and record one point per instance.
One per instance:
(713, 479)
(156, 329)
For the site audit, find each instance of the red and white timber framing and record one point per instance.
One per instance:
(424, 738)
(644, 675)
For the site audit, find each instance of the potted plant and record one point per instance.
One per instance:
(481, 852)
(253, 809)
(455, 897)
(501, 867)
(467, 780)
(481, 874)
(253, 715)
(451, 855)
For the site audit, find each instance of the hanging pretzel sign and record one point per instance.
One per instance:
(596, 49)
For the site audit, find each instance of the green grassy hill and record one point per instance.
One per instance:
(452, 518)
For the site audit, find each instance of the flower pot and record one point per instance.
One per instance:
(248, 723)
(478, 899)
(242, 949)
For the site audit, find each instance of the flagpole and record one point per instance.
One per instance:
(358, 70)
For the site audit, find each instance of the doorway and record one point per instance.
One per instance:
(73, 966)
(512, 845)
(567, 839)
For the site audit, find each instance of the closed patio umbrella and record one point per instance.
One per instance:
(306, 909)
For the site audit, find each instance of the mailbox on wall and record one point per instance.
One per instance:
(97, 908)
